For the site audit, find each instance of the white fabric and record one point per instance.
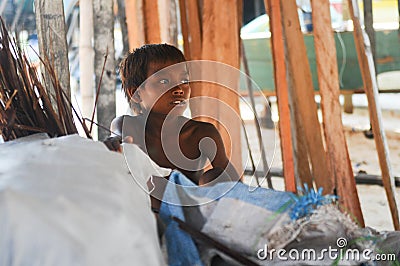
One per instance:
(70, 201)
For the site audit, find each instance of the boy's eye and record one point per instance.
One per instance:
(164, 81)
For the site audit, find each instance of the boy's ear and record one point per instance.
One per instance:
(134, 95)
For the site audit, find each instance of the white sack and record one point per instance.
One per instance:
(70, 201)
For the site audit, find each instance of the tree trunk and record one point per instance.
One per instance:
(103, 21)
(50, 23)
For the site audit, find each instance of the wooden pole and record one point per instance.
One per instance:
(103, 23)
(86, 57)
(168, 21)
(328, 79)
(50, 23)
(304, 95)
(371, 90)
(220, 42)
(123, 25)
(281, 87)
(134, 21)
(194, 25)
(369, 26)
(152, 21)
(185, 29)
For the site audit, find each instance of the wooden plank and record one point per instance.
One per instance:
(369, 26)
(103, 31)
(278, 55)
(152, 21)
(220, 42)
(184, 29)
(50, 23)
(371, 90)
(194, 24)
(328, 79)
(168, 21)
(135, 25)
(299, 70)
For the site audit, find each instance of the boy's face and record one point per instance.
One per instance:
(165, 90)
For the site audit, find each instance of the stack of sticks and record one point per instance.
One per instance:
(25, 106)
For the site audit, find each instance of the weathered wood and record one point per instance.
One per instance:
(371, 90)
(168, 21)
(134, 21)
(86, 57)
(123, 25)
(304, 95)
(194, 25)
(50, 23)
(220, 42)
(184, 28)
(151, 21)
(103, 21)
(328, 78)
(278, 56)
(369, 26)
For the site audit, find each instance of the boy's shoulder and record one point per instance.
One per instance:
(201, 126)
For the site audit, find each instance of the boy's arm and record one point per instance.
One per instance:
(216, 153)
(113, 142)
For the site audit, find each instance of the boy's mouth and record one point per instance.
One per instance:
(179, 102)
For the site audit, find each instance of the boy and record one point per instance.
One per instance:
(155, 80)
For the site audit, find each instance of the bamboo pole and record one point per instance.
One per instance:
(336, 146)
(371, 90)
(281, 87)
(304, 95)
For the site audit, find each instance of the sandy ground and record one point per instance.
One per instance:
(363, 157)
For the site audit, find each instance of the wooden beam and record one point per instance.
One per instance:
(50, 23)
(300, 72)
(134, 21)
(185, 29)
(194, 25)
(220, 42)
(152, 21)
(328, 79)
(371, 90)
(282, 90)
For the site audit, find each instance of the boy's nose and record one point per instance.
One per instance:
(177, 91)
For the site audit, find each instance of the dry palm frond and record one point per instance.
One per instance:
(25, 106)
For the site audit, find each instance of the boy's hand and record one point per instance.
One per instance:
(114, 143)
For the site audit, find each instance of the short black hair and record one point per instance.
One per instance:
(133, 68)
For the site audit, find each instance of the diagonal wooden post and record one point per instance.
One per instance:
(303, 94)
(282, 90)
(367, 68)
(336, 146)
